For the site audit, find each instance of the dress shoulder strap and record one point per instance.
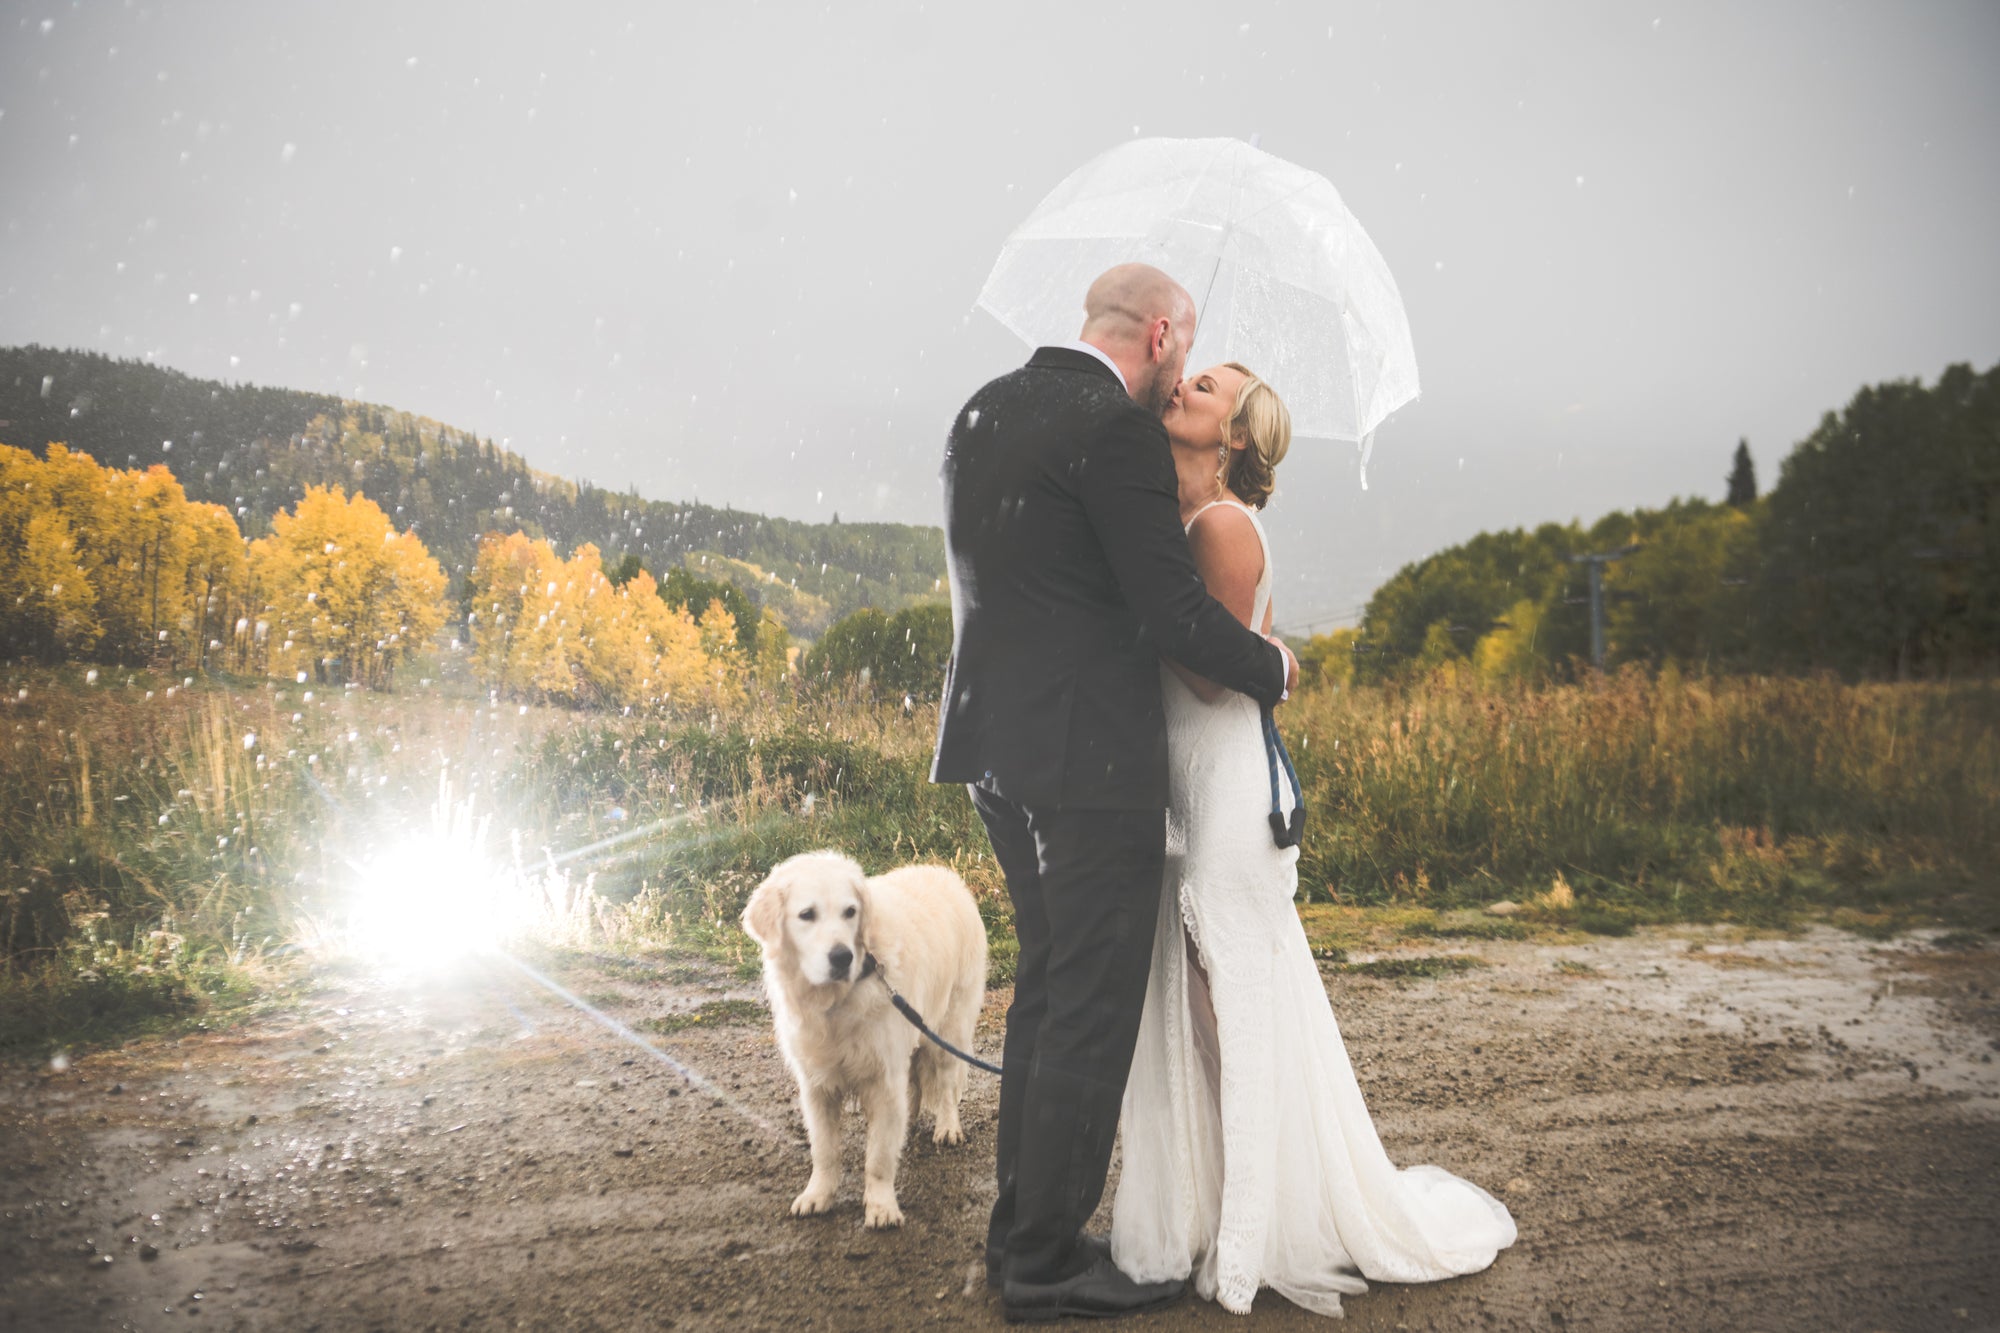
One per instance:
(1223, 500)
(1248, 512)
(1203, 510)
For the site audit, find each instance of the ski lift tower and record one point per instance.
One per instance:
(1597, 562)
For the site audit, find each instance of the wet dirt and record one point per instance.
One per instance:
(1694, 1131)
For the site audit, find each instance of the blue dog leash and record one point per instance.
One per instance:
(908, 1010)
(1287, 832)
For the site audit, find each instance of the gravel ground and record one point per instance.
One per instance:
(1694, 1131)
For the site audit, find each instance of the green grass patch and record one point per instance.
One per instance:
(1003, 956)
(1599, 920)
(1336, 930)
(668, 969)
(1476, 925)
(714, 1014)
(60, 1006)
(1417, 967)
(1882, 925)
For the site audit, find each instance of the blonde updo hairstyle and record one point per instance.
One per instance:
(1260, 419)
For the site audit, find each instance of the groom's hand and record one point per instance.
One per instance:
(1291, 666)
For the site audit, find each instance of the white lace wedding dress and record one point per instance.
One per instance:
(1249, 1157)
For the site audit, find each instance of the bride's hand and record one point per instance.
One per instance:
(1291, 665)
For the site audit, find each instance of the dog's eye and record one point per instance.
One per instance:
(810, 914)
(849, 914)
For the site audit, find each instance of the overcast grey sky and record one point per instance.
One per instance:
(729, 251)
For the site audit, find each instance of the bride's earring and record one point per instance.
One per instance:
(1221, 470)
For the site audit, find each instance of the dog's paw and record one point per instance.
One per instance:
(881, 1212)
(812, 1202)
(947, 1134)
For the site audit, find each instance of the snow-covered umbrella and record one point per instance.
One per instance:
(1286, 280)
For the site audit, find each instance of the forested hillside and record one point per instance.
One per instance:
(1876, 554)
(256, 450)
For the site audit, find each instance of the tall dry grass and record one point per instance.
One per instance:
(721, 801)
(1667, 796)
(159, 835)
(151, 830)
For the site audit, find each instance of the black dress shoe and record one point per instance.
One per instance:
(1098, 1292)
(1092, 1248)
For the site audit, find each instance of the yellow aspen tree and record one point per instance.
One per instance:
(638, 633)
(142, 544)
(562, 630)
(548, 637)
(50, 605)
(74, 486)
(215, 600)
(415, 601)
(1510, 651)
(505, 576)
(22, 496)
(725, 662)
(679, 675)
(612, 657)
(347, 598)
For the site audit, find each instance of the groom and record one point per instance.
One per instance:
(1070, 580)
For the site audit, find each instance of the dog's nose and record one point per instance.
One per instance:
(838, 959)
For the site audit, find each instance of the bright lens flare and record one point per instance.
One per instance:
(433, 898)
(425, 905)
(433, 901)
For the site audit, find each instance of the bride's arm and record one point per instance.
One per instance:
(1230, 560)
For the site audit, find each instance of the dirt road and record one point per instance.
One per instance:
(1694, 1132)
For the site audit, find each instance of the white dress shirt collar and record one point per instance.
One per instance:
(1081, 346)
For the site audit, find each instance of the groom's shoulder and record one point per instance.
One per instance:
(1051, 395)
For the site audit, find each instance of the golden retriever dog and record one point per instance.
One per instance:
(834, 942)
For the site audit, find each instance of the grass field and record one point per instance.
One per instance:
(168, 848)
(1658, 798)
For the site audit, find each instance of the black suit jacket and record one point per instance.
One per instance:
(1071, 579)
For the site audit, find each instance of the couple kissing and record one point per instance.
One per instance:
(1112, 660)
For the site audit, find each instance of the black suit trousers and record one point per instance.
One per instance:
(1086, 891)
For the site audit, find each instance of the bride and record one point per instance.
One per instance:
(1249, 1157)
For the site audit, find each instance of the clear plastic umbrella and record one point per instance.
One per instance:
(1287, 281)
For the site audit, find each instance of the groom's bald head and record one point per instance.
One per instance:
(1126, 300)
(1143, 320)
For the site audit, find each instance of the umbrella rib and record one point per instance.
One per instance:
(1231, 226)
(1223, 245)
(1301, 189)
(1202, 309)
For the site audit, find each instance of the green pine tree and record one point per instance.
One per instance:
(1742, 478)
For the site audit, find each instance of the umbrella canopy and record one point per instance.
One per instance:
(1286, 280)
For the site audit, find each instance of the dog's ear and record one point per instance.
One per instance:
(867, 902)
(764, 914)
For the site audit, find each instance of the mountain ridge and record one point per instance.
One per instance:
(254, 449)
